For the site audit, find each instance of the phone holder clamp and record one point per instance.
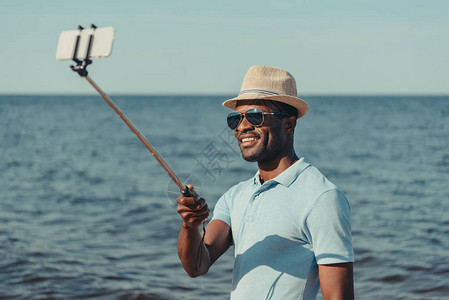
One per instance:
(81, 65)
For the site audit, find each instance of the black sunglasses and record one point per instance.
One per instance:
(254, 117)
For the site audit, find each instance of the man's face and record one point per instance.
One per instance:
(264, 142)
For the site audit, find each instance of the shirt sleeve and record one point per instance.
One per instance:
(221, 210)
(329, 226)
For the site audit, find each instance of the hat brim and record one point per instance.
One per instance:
(297, 103)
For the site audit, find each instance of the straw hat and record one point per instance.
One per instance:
(269, 83)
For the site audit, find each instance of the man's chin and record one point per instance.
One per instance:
(251, 157)
(254, 153)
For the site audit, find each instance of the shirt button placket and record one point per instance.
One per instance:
(251, 208)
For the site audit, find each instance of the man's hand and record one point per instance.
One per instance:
(193, 210)
(217, 240)
(191, 250)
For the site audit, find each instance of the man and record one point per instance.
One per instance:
(290, 226)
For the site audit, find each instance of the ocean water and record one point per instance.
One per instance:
(87, 213)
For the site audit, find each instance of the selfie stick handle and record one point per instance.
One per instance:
(184, 189)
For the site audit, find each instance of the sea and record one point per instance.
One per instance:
(86, 212)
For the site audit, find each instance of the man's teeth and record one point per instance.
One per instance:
(249, 139)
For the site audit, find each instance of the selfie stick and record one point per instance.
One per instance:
(80, 68)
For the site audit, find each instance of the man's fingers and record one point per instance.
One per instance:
(200, 207)
(193, 210)
(192, 189)
(185, 200)
(190, 201)
(194, 220)
(199, 204)
(195, 216)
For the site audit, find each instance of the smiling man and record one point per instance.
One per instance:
(289, 224)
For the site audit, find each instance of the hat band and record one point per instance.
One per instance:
(258, 91)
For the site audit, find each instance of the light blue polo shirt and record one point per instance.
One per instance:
(282, 229)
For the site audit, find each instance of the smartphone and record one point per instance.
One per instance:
(102, 41)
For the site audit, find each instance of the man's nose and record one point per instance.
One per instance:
(244, 125)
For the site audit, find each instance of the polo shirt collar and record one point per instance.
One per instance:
(287, 177)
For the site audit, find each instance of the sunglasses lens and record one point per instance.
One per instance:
(233, 120)
(254, 116)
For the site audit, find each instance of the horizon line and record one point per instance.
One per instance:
(228, 95)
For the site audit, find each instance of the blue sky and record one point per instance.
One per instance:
(205, 47)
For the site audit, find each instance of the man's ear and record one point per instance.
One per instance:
(290, 124)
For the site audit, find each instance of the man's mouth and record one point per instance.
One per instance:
(248, 140)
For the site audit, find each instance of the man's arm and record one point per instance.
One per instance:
(197, 257)
(329, 225)
(336, 281)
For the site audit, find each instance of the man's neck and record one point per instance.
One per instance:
(270, 169)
